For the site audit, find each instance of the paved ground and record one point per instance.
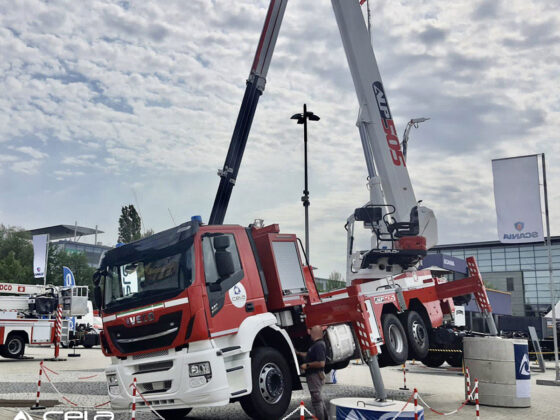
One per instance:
(82, 381)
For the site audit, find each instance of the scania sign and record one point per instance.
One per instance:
(519, 226)
(388, 125)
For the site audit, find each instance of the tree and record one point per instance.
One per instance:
(336, 281)
(16, 256)
(129, 224)
(77, 262)
(16, 261)
(148, 232)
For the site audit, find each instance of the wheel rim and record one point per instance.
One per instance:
(419, 333)
(14, 346)
(396, 339)
(271, 383)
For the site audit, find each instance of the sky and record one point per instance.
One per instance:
(109, 103)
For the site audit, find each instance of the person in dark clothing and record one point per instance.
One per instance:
(314, 362)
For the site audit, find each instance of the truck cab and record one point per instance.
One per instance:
(185, 313)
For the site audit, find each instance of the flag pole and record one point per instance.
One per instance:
(552, 287)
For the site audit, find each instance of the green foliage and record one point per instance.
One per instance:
(16, 256)
(149, 232)
(334, 282)
(77, 262)
(16, 261)
(129, 224)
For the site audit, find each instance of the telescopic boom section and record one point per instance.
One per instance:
(379, 135)
(253, 91)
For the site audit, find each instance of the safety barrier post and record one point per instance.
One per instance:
(468, 378)
(301, 411)
(476, 398)
(58, 331)
(37, 406)
(415, 404)
(404, 377)
(134, 399)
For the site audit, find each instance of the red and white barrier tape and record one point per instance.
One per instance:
(135, 390)
(450, 412)
(45, 369)
(302, 410)
(402, 409)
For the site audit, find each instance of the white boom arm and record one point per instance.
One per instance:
(379, 129)
(389, 180)
(25, 289)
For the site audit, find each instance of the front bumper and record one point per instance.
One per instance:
(163, 379)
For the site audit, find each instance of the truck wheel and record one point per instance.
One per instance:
(14, 346)
(417, 333)
(434, 359)
(176, 414)
(455, 359)
(395, 350)
(272, 385)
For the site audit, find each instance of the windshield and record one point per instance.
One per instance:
(148, 280)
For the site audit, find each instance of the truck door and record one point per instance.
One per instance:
(232, 281)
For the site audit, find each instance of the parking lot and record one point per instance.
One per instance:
(81, 381)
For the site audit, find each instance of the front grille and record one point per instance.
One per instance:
(152, 354)
(146, 337)
(154, 367)
(152, 387)
(155, 403)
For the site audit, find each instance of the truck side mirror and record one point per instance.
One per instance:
(224, 260)
(97, 296)
(224, 264)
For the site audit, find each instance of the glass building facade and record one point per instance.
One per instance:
(91, 251)
(521, 269)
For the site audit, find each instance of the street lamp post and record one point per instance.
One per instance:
(412, 123)
(302, 119)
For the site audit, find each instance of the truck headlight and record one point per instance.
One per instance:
(112, 380)
(200, 369)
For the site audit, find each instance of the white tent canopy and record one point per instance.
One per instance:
(557, 308)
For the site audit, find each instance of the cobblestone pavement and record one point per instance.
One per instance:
(82, 381)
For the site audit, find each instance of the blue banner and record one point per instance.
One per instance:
(373, 413)
(522, 371)
(68, 277)
(69, 281)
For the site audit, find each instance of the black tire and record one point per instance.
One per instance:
(89, 346)
(175, 414)
(14, 347)
(434, 359)
(417, 334)
(395, 349)
(272, 385)
(454, 359)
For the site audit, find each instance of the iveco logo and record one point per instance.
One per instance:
(140, 319)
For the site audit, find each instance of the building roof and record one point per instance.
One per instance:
(64, 231)
(554, 239)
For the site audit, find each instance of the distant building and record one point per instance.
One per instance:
(520, 269)
(91, 251)
(59, 235)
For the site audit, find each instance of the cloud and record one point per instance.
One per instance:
(114, 96)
